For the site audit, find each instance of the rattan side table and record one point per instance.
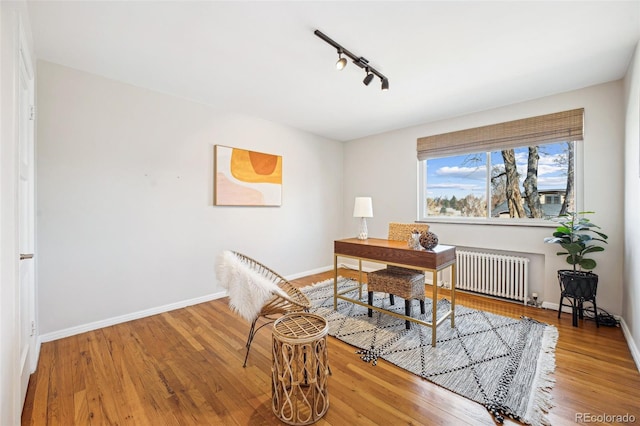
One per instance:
(300, 368)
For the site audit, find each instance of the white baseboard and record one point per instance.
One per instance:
(554, 307)
(72, 331)
(366, 266)
(311, 272)
(635, 353)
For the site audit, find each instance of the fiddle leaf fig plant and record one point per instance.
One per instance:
(579, 238)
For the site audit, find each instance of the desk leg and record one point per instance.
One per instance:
(335, 282)
(434, 306)
(453, 295)
(360, 279)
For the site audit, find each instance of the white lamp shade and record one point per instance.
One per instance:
(363, 207)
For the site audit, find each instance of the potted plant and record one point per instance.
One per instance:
(575, 235)
(579, 238)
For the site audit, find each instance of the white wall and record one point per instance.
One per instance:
(11, 13)
(631, 282)
(125, 181)
(384, 167)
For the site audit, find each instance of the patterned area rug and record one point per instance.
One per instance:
(502, 363)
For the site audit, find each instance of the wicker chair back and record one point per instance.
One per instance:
(402, 231)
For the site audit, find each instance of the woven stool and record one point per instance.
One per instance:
(300, 368)
(405, 283)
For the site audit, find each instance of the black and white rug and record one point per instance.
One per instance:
(506, 364)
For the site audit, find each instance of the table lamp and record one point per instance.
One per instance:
(363, 208)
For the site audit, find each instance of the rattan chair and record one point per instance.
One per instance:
(398, 281)
(281, 296)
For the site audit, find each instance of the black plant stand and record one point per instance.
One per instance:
(578, 287)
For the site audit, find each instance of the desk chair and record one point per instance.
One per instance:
(397, 281)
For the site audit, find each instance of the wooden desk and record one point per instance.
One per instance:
(399, 254)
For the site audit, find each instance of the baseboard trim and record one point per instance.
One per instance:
(633, 348)
(310, 272)
(72, 331)
(554, 307)
(635, 353)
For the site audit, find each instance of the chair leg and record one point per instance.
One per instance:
(595, 312)
(422, 310)
(392, 300)
(370, 301)
(252, 333)
(560, 306)
(407, 312)
(580, 309)
(574, 312)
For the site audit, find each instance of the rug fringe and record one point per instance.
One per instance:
(543, 383)
(327, 281)
(369, 355)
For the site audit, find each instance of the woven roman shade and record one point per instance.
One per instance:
(556, 127)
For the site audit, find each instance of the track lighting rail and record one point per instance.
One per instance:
(358, 60)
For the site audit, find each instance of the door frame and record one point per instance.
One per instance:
(26, 298)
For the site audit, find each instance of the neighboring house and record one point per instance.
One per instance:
(550, 200)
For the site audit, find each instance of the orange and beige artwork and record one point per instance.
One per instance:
(247, 178)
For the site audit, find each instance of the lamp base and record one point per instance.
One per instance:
(364, 234)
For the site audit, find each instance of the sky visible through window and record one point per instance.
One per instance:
(466, 174)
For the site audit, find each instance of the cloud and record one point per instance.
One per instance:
(457, 186)
(477, 173)
(522, 157)
(553, 182)
(547, 164)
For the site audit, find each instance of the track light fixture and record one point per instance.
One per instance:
(367, 78)
(342, 62)
(358, 60)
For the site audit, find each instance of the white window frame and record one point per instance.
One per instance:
(578, 175)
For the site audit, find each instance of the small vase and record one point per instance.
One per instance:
(414, 241)
(428, 240)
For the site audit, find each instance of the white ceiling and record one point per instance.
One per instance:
(442, 59)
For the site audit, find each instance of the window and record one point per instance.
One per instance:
(553, 199)
(519, 169)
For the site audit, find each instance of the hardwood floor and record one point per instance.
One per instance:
(185, 368)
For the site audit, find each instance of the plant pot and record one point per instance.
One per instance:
(578, 284)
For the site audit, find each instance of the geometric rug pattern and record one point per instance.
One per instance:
(503, 363)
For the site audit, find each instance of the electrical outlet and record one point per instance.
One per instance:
(533, 300)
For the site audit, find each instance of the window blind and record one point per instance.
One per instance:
(549, 128)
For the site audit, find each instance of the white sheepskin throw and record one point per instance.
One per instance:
(248, 290)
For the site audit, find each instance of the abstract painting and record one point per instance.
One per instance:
(247, 178)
